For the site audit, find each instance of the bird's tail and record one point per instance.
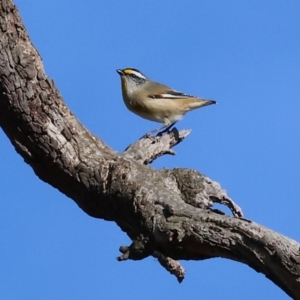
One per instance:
(200, 103)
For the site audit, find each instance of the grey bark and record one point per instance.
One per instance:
(166, 213)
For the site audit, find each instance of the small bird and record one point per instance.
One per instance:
(154, 101)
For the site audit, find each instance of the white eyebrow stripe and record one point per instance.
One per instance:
(138, 74)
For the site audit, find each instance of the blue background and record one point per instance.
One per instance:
(243, 54)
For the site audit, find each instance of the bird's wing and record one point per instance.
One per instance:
(170, 94)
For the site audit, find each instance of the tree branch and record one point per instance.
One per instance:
(148, 148)
(167, 214)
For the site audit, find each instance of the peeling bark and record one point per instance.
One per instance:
(167, 213)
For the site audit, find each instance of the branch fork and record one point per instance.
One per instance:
(145, 151)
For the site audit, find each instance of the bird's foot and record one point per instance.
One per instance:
(148, 135)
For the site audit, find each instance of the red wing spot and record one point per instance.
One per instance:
(156, 96)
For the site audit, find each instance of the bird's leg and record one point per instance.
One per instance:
(166, 129)
(148, 134)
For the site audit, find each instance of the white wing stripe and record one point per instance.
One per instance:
(174, 96)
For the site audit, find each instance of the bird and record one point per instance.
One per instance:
(155, 101)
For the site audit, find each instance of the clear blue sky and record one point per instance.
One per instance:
(244, 54)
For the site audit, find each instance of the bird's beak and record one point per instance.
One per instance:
(120, 72)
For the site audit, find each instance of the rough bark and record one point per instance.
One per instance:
(167, 213)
